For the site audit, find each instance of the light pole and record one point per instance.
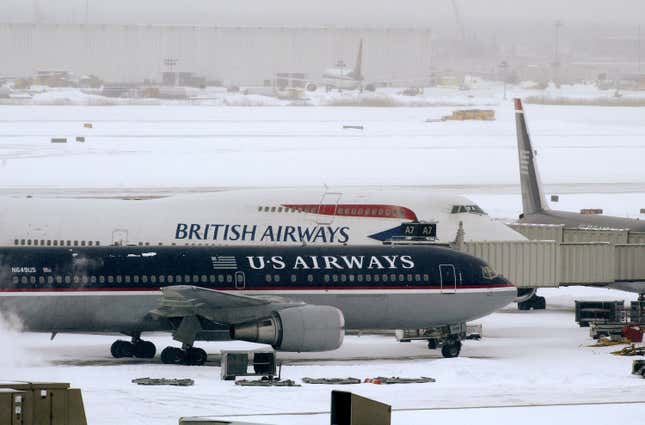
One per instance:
(504, 66)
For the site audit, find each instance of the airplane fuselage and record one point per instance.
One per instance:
(241, 217)
(115, 288)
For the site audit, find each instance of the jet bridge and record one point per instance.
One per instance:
(559, 256)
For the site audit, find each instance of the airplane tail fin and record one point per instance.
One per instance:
(357, 72)
(533, 199)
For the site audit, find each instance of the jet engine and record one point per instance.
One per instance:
(299, 329)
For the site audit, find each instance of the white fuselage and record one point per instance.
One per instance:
(241, 217)
(340, 78)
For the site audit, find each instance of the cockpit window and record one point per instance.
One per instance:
(469, 209)
(488, 272)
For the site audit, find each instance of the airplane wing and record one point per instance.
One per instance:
(217, 306)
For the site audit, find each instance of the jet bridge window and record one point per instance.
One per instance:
(468, 209)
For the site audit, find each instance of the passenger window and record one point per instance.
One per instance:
(204, 278)
(220, 278)
(32, 279)
(110, 279)
(93, 279)
(49, 242)
(85, 279)
(178, 278)
(16, 241)
(409, 278)
(426, 278)
(55, 243)
(187, 278)
(343, 278)
(41, 280)
(170, 279)
(101, 279)
(24, 280)
(293, 278)
(119, 279)
(68, 279)
(229, 278)
(368, 278)
(351, 277)
(126, 278)
(385, 279)
(276, 278)
(28, 241)
(417, 278)
(82, 243)
(326, 278)
(267, 278)
(144, 279)
(377, 278)
(50, 279)
(310, 278)
(89, 243)
(15, 280)
(153, 278)
(162, 279)
(334, 277)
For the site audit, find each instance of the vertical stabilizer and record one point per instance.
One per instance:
(533, 200)
(357, 72)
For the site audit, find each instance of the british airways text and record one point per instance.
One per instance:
(256, 233)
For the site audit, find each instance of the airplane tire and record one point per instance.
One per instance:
(451, 350)
(120, 349)
(539, 303)
(144, 350)
(432, 344)
(172, 355)
(196, 356)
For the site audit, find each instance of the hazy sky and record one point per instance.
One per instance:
(329, 12)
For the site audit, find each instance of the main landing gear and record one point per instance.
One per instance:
(136, 348)
(191, 356)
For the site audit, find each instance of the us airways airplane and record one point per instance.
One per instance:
(535, 208)
(244, 217)
(293, 298)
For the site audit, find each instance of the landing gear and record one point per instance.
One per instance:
(189, 356)
(451, 348)
(137, 348)
(530, 300)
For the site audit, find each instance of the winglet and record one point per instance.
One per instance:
(533, 199)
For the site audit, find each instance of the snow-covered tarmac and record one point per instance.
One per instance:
(524, 359)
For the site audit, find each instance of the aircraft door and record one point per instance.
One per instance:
(327, 207)
(240, 280)
(448, 279)
(120, 237)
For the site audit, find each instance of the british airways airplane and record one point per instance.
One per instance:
(293, 298)
(234, 217)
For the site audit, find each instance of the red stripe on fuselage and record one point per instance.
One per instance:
(263, 288)
(357, 210)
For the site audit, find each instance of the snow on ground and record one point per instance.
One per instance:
(187, 146)
(525, 358)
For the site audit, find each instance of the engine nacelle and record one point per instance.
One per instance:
(305, 328)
